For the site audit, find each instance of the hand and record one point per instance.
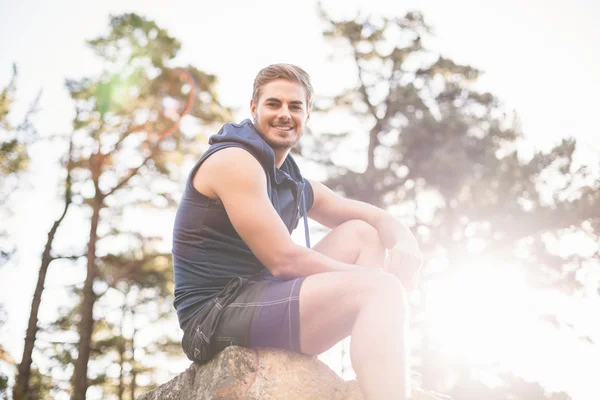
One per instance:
(392, 232)
(404, 260)
(403, 257)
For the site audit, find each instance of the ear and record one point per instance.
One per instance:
(253, 109)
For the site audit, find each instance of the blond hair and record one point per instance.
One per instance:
(288, 72)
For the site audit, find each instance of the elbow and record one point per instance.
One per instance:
(281, 274)
(283, 265)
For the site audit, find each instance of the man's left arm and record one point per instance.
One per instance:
(330, 209)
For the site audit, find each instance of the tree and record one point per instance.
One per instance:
(122, 157)
(14, 141)
(135, 299)
(143, 285)
(21, 388)
(432, 135)
(4, 359)
(14, 157)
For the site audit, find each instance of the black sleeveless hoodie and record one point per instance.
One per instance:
(207, 251)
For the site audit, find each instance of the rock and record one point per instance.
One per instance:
(266, 374)
(258, 374)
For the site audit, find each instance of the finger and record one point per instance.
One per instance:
(386, 261)
(390, 260)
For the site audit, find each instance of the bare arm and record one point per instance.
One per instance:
(238, 180)
(404, 257)
(331, 210)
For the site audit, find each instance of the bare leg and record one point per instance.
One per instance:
(353, 242)
(369, 306)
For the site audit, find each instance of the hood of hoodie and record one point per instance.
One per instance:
(245, 133)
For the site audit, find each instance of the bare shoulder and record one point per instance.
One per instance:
(239, 181)
(230, 165)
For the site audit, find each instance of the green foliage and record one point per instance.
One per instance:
(14, 142)
(135, 40)
(4, 358)
(13, 139)
(40, 386)
(431, 133)
(127, 152)
(125, 158)
(14, 158)
(3, 387)
(443, 156)
(138, 298)
(13, 153)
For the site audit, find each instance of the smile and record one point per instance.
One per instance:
(283, 128)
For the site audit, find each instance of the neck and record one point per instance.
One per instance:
(280, 156)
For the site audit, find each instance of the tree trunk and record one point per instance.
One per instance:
(122, 367)
(22, 381)
(21, 387)
(133, 383)
(122, 349)
(133, 364)
(87, 308)
(371, 149)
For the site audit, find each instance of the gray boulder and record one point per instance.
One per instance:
(260, 374)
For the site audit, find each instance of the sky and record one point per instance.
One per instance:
(541, 58)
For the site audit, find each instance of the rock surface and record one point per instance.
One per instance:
(265, 374)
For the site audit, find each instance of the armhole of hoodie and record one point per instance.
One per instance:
(309, 196)
(208, 153)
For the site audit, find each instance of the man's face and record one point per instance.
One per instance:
(281, 113)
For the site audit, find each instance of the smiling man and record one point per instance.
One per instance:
(241, 280)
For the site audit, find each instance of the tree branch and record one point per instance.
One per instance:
(129, 131)
(131, 174)
(71, 257)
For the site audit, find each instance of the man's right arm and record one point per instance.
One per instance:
(238, 180)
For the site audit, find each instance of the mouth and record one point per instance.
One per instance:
(283, 128)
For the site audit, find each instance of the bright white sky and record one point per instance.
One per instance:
(541, 57)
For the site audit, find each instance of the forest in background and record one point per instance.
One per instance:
(418, 138)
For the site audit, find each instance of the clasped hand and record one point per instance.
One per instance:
(404, 260)
(403, 256)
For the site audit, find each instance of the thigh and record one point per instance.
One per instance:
(264, 314)
(353, 242)
(330, 303)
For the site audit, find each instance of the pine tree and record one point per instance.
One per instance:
(14, 143)
(123, 154)
(444, 156)
(126, 149)
(133, 302)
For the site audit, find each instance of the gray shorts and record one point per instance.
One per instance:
(246, 313)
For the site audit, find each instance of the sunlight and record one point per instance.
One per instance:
(478, 314)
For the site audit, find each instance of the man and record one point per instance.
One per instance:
(241, 280)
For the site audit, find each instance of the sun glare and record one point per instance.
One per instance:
(477, 314)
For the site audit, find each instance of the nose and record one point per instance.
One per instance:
(283, 113)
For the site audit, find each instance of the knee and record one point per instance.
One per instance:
(386, 289)
(363, 232)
